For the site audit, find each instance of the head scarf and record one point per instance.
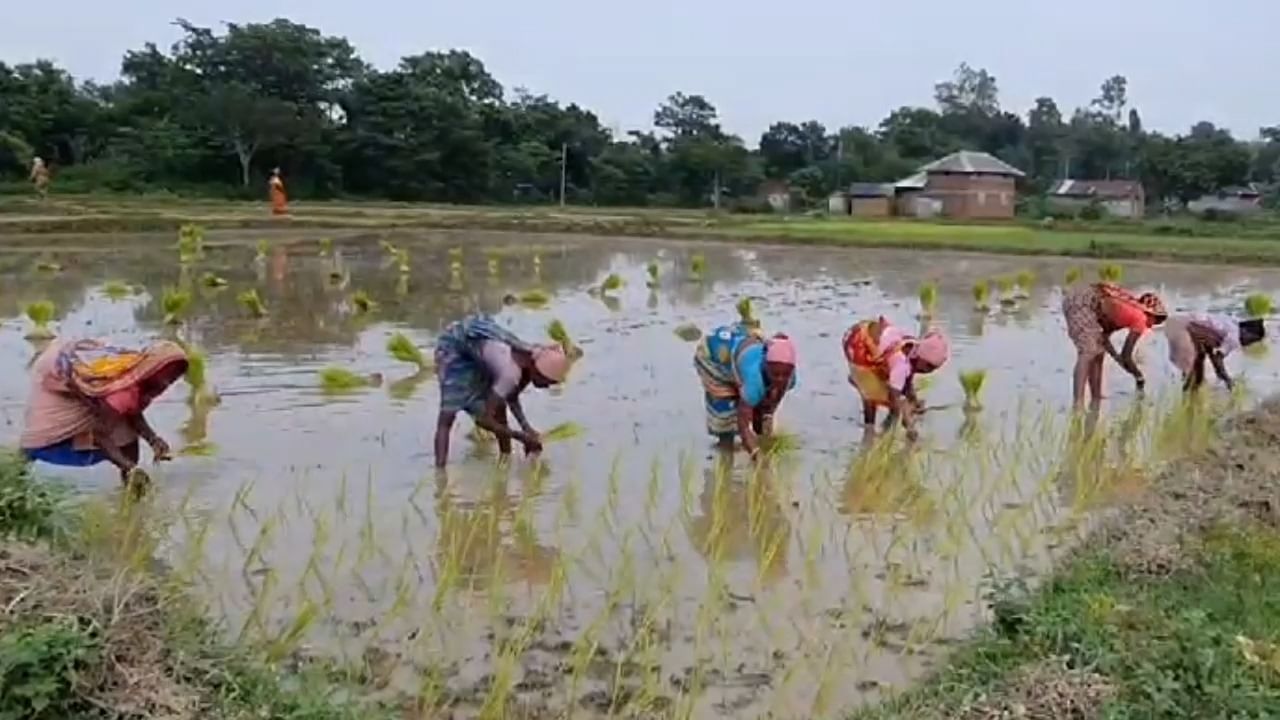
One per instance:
(551, 362)
(933, 348)
(1152, 304)
(780, 349)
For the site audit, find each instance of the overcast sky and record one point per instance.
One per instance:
(838, 61)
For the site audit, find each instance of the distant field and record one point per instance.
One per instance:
(1185, 240)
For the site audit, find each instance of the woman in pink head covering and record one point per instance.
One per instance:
(744, 377)
(483, 368)
(883, 362)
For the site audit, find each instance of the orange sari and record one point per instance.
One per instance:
(279, 200)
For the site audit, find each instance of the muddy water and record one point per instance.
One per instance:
(630, 571)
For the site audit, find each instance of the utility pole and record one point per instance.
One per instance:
(564, 159)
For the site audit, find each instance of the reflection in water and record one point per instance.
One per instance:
(742, 519)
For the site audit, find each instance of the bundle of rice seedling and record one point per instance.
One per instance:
(250, 301)
(1025, 279)
(1073, 275)
(1111, 272)
(455, 252)
(563, 431)
(326, 247)
(48, 266)
(174, 302)
(746, 313)
(211, 280)
(402, 260)
(971, 381)
(190, 243)
(388, 248)
(403, 349)
(560, 335)
(535, 298)
(336, 379)
(493, 267)
(337, 277)
(928, 298)
(263, 246)
(1005, 284)
(611, 283)
(982, 295)
(197, 365)
(698, 266)
(116, 289)
(361, 301)
(41, 314)
(689, 332)
(652, 270)
(780, 443)
(1258, 305)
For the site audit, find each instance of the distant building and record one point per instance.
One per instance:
(962, 185)
(1241, 200)
(1118, 198)
(863, 200)
(776, 194)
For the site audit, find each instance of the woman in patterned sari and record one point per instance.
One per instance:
(883, 363)
(483, 368)
(1093, 312)
(87, 402)
(744, 377)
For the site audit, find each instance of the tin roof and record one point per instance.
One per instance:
(1097, 188)
(970, 162)
(913, 182)
(864, 189)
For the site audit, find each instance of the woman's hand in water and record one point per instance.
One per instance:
(532, 442)
(161, 449)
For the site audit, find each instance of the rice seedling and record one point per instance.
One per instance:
(211, 280)
(174, 302)
(402, 261)
(982, 295)
(1111, 272)
(41, 314)
(560, 335)
(1025, 280)
(190, 243)
(534, 298)
(116, 289)
(688, 332)
(326, 247)
(48, 266)
(388, 247)
(493, 267)
(652, 270)
(402, 348)
(563, 431)
(262, 248)
(780, 443)
(455, 252)
(338, 380)
(928, 298)
(1072, 276)
(252, 302)
(611, 283)
(971, 381)
(698, 266)
(363, 304)
(1258, 305)
(1005, 285)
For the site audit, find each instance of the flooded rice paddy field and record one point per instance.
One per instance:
(629, 572)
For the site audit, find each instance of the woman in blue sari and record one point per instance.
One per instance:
(744, 377)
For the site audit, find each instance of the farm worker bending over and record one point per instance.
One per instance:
(1196, 338)
(1093, 312)
(883, 363)
(744, 376)
(483, 368)
(87, 401)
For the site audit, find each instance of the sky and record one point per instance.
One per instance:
(841, 62)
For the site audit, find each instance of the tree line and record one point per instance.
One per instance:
(219, 109)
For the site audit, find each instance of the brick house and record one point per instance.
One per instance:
(1118, 198)
(863, 200)
(962, 185)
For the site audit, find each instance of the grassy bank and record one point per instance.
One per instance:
(1171, 610)
(1254, 242)
(91, 628)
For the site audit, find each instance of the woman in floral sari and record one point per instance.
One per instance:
(744, 377)
(883, 363)
(1093, 312)
(87, 403)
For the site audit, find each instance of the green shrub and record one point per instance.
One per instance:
(28, 509)
(38, 669)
